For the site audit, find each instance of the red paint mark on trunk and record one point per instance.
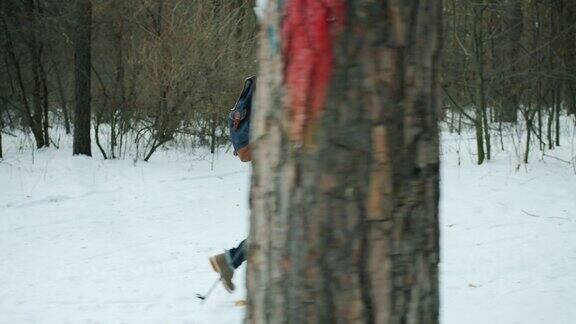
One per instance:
(307, 33)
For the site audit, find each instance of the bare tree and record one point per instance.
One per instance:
(82, 67)
(344, 222)
(32, 112)
(1, 127)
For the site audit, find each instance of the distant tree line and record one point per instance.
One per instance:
(509, 63)
(161, 70)
(139, 73)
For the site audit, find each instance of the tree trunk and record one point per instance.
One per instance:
(551, 119)
(11, 53)
(82, 68)
(570, 55)
(557, 109)
(36, 47)
(213, 126)
(1, 128)
(572, 101)
(528, 130)
(117, 120)
(487, 134)
(45, 105)
(97, 135)
(63, 103)
(512, 19)
(481, 124)
(479, 139)
(344, 222)
(539, 112)
(37, 96)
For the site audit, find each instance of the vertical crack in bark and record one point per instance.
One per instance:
(328, 309)
(288, 254)
(364, 274)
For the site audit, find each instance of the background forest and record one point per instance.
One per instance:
(166, 72)
(160, 70)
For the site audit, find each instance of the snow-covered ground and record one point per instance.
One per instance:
(83, 240)
(91, 241)
(508, 236)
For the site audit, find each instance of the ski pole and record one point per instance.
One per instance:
(205, 296)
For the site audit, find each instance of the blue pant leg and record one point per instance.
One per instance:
(238, 254)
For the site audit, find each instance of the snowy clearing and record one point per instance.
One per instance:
(91, 241)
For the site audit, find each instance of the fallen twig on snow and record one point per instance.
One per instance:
(538, 216)
(559, 159)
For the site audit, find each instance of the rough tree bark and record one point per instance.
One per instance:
(569, 16)
(481, 122)
(36, 48)
(1, 128)
(344, 197)
(512, 19)
(10, 49)
(82, 69)
(117, 116)
(45, 104)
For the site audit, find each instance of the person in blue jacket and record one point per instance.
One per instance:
(239, 122)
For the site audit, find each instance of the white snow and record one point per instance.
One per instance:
(90, 241)
(508, 235)
(83, 240)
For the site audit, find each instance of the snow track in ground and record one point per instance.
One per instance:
(90, 241)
